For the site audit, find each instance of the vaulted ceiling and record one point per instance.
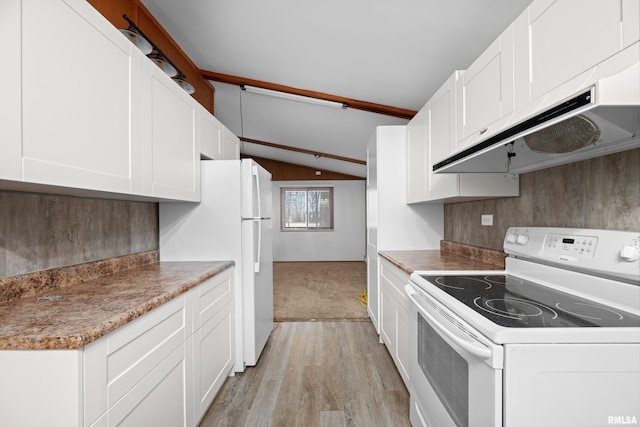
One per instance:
(389, 53)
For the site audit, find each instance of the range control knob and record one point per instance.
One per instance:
(523, 239)
(512, 237)
(630, 253)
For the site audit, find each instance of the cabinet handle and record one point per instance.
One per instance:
(483, 131)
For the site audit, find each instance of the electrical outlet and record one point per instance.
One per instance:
(487, 220)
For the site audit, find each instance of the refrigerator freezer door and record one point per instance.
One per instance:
(256, 188)
(257, 287)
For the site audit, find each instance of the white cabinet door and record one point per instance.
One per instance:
(403, 338)
(394, 315)
(418, 163)
(217, 142)
(210, 135)
(229, 145)
(171, 151)
(557, 41)
(442, 140)
(214, 357)
(387, 316)
(10, 101)
(116, 364)
(80, 83)
(160, 399)
(214, 338)
(486, 91)
(433, 129)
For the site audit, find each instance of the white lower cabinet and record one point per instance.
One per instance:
(394, 315)
(213, 340)
(132, 366)
(41, 388)
(161, 398)
(162, 369)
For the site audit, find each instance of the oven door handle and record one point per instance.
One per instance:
(477, 350)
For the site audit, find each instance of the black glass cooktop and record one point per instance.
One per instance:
(512, 302)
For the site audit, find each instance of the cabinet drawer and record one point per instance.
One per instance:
(211, 296)
(133, 352)
(117, 362)
(396, 277)
(159, 398)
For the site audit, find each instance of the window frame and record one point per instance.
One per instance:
(307, 189)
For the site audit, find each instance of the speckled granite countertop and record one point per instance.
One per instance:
(451, 256)
(93, 308)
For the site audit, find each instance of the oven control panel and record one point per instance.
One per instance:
(608, 252)
(568, 246)
(571, 246)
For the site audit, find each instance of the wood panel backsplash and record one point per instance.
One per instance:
(39, 231)
(600, 193)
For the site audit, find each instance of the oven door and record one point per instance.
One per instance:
(456, 373)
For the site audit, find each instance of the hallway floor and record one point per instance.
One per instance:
(325, 374)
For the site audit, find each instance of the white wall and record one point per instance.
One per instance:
(345, 243)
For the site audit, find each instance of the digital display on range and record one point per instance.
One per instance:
(567, 240)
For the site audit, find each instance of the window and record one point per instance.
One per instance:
(306, 208)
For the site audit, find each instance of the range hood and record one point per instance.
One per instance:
(577, 129)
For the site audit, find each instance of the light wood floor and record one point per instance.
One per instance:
(315, 374)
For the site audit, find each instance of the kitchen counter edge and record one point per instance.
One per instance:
(416, 260)
(89, 310)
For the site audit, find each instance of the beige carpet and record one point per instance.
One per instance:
(315, 291)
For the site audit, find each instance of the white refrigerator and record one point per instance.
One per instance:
(232, 221)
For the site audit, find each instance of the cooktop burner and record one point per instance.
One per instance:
(512, 302)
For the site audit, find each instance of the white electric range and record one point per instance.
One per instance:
(552, 340)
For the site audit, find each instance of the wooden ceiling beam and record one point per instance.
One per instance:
(302, 150)
(351, 103)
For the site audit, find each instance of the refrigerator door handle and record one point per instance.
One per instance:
(257, 178)
(256, 264)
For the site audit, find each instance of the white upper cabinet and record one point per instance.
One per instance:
(229, 145)
(79, 80)
(85, 112)
(210, 134)
(10, 101)
(485, 92)
(418, 163)
(171, 147)
(557, 42)
(431, 136)
(442, 114)
(217, 142)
